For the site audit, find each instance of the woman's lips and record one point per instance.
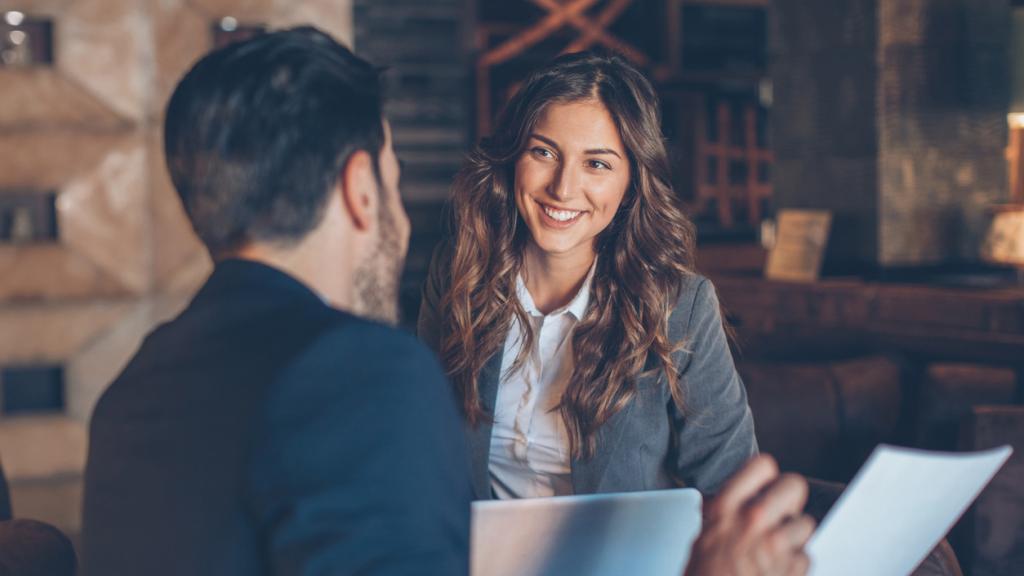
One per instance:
(559, 218)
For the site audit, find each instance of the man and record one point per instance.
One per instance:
(264, 430)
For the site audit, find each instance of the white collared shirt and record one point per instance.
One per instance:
(529, 455)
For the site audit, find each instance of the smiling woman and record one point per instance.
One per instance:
(571, 181)
(587, 353)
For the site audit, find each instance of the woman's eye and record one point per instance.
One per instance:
(599, 165)
(543, 152)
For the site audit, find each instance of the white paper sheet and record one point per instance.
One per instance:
(896, 510)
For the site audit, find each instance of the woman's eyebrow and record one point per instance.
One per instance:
(545, 140)
(603, 151)
(592, 151)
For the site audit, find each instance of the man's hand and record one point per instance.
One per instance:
(755, 526)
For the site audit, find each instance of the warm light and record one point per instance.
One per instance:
(14, 18)
(17, 37)
(1016, 119)
(1005, 241)
(765, 92)
(228, 24)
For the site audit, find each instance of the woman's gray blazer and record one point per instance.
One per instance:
(649, 442)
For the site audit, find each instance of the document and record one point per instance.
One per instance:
(896, 510)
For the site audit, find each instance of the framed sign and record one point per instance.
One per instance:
(800, 240)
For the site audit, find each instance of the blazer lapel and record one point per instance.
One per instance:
(479, 437)
(588, 474)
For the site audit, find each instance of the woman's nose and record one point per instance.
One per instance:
(563, 184)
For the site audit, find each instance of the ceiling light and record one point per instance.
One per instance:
(14, 18)
(228, 24)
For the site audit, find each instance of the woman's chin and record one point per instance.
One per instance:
(555, 246)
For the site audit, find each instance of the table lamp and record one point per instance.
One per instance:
(1004, 243)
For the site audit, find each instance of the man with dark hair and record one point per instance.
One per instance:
(268, 428)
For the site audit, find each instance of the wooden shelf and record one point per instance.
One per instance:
(931, 322)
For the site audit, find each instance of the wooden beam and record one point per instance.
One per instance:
(750, 3)
(753, 184)
(536, 33)
(724, 199)
(607, 16)
(588, 27)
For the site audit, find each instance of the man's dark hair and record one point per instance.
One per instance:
(257, 133)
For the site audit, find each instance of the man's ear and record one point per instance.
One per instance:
(359, 190)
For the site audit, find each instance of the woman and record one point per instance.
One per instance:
(587, 354)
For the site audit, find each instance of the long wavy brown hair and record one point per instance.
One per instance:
(644, 255)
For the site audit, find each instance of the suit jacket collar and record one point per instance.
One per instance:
(588, 475)
(240, 278)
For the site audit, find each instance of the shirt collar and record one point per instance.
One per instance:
(577, 306)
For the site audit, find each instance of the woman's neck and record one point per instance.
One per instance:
(553, 280)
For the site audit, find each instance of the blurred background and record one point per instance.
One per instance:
(900, 118)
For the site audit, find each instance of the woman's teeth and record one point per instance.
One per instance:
(561, 215)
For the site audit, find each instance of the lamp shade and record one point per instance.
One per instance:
(1005, 241)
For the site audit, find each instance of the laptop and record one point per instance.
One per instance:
(648, 533)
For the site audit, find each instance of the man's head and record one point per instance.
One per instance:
(280, 142)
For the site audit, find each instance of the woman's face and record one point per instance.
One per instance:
(571, 177)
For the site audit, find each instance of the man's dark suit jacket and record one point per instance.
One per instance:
(264, 432)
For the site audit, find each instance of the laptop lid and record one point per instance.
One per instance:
(591, 535)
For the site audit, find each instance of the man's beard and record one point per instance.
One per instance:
(377, 276)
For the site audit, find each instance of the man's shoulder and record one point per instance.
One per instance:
(352, 337)
(357, 356)
(237, 346)
(358, 369)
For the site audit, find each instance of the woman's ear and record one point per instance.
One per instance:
(358, 189)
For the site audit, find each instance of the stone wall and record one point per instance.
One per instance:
(892, 113)
(942, 104)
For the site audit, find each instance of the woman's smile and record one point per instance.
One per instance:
(559, 218)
